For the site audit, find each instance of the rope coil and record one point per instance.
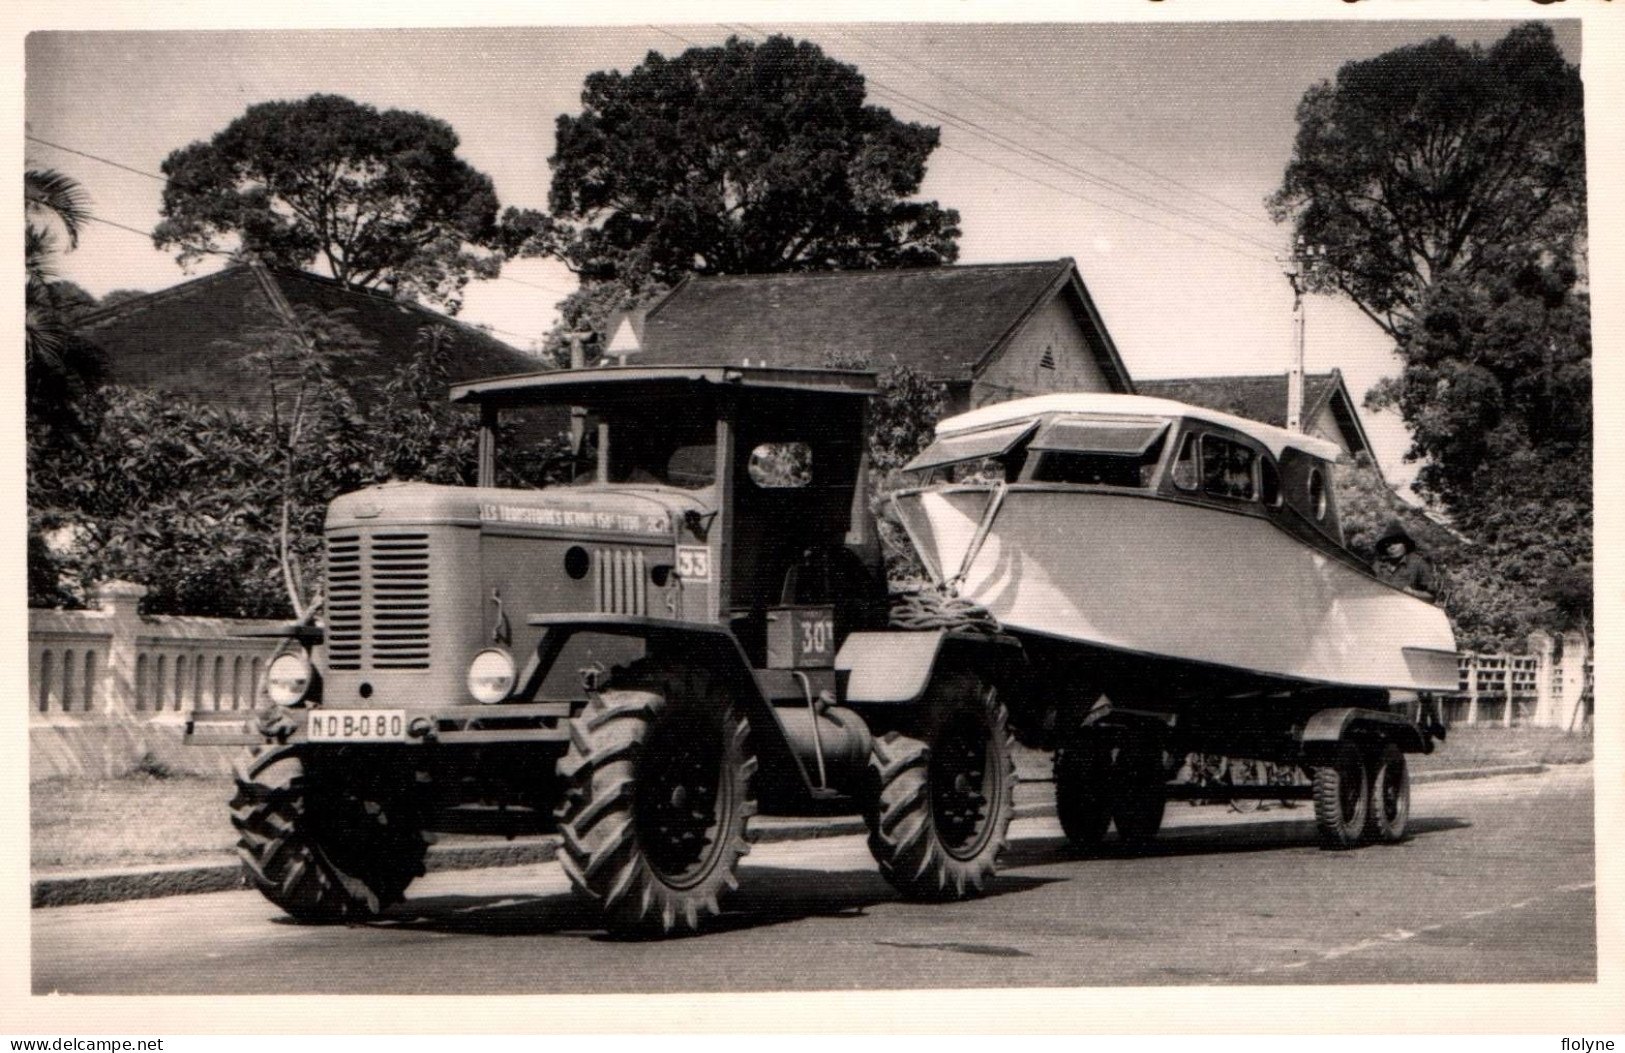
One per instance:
(934, 609)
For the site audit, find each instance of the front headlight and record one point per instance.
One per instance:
(288, 679)
(491, 676)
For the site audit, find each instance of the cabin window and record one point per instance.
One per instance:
(1317, 494)
(1185, 474)
(1099, 469)
(1269, 482)
(781, 465)
(1227, 468)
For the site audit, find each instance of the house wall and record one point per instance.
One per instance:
(1018, 371)
(1324, 426)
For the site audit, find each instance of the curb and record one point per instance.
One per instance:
(182, 879)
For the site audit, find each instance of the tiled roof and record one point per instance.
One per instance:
(1260, 398)
(173, 340)
(942, 321)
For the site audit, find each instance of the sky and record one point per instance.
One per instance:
(1142, 151)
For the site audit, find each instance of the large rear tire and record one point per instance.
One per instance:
(656, 818)
(1083, 794)
(1340, 798)
(944, 803)
(1389, 809)
(322, 851)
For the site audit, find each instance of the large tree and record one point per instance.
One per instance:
(1435, 161)
(377, 198)
(745, 158)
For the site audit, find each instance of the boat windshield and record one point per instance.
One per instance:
(1099, 452)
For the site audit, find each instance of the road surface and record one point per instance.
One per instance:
(1496, 885)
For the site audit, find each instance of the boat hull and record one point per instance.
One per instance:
(1183, 583)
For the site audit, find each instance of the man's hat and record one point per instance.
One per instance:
(1395, 531)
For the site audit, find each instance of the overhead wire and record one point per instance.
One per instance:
(1047, 128)
(559, 290)
(1030, 153)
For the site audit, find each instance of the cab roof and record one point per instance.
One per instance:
(1107, 404)
(576, 386)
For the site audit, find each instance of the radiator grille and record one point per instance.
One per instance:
(344, 602)
(378, 601)
(621, 576)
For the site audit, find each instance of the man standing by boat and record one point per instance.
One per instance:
(1399, 564)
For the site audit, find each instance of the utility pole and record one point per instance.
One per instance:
(1304, 258)
(578, 360)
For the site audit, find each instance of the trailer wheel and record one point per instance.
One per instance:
(323, 853)
(1389, 809)
(655, 820)
(1340, 798)
(1082, 793)
(1138, 797)
(944, 803)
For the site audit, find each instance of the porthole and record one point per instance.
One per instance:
(577, 562)
(1317, 493)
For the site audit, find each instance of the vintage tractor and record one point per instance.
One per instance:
(693, 632)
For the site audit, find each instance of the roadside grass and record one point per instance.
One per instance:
(144, 819)
(140, 818)
(1483, 747)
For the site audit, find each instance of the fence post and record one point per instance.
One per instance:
(1472, 689)
(1573, 666)
(121, 600)
(1543, 647)
(1506, 689)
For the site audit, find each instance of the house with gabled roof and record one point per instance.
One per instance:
(1329, 411)
(178, 339)
(990, 332)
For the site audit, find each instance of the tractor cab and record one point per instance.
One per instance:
(753, 475)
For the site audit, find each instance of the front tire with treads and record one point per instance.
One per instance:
(656, 818)
(945, 801)
(323, 851)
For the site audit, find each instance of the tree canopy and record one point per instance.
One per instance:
(744, 158)
(1435, 161)
(379, 198)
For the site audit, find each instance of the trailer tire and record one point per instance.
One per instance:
(944, 802)
(1139, 800)
(322, 853)
(1341, 798)
(656, 817)
(1389, 808)
(1082, 794)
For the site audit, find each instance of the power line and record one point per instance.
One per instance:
(1044, 126)
(1028, 153)
(558, 289)
(93, 157)
(1031, 153)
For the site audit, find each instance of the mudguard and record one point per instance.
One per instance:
(1331, 726)
(710, 646)
(896, 667)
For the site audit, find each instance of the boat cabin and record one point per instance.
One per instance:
(1145, 446)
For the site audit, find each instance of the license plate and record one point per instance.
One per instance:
(357, 725)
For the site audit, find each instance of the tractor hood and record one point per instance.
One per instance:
(625, 513)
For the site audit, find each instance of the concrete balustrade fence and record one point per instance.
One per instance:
(109, 689)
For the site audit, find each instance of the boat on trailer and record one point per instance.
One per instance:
(1166, 553)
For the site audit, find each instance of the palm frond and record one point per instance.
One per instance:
(47, 192)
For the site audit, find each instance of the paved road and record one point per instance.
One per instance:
(1497, 885)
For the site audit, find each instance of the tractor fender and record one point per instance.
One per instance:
(709, 647)
(897, 667)
(1328, 727)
